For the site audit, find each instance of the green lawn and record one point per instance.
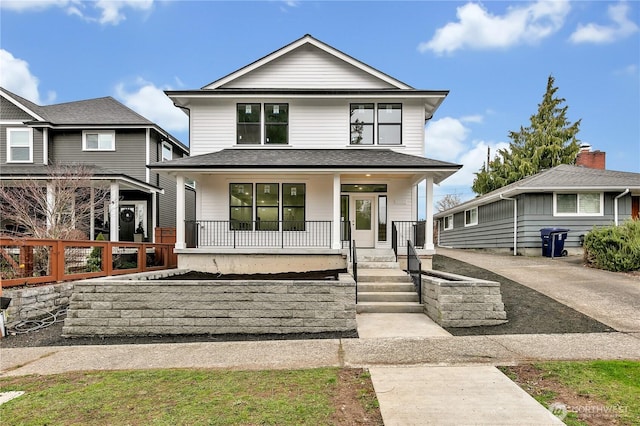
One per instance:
(184, 397)
(593, 390)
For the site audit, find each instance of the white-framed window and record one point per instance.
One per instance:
(101, 140)
(578, 204)
(379, 124)
(256, 125)
(448, 222)
(167, 152)
(19, 145)
(471, 217)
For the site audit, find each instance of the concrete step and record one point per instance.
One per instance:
(385, 296)
(386, 287)
(382, 275)
(389, 307)
(376, 255)
(378, 265)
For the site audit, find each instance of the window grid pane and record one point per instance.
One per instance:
(362, 121)
(293, 206)
(589, 203)
(567, 203)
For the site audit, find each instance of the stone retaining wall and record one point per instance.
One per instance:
(113, 306)
(29, 303)
(458, 301)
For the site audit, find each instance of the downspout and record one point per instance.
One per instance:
(515, 222)
(615, 205)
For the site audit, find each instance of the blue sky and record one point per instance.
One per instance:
(494, 57)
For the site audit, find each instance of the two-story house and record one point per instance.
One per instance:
(116, 144)
(298, 153)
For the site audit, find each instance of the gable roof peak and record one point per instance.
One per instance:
(307, 39)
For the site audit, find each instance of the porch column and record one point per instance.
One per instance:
(180, 206)
(336, 243)
(428, 241)
(114, 207)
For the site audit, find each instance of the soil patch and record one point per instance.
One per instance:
(528, 311)
(355, 399)
(330, 274)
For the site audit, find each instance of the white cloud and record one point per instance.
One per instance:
(445, 138)
(479, 29)
(17, 77)
(109, 11)
(631, 70)
(620, 28)
(150, 101)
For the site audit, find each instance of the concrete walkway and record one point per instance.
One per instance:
(422, 375)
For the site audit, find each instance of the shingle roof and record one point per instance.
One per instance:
(559, 178)
(266, 158)
(94, 111)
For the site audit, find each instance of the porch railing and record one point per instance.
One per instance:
(36, 261)
(411, 230)
(260, 233)
(414, 268)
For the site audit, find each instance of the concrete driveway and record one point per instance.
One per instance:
(609, 297)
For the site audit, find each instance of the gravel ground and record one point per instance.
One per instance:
(528, 311)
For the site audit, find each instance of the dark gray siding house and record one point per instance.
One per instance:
(116, 142)
(570, 197)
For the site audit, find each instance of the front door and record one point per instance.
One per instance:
(127, 222)
(362, 220)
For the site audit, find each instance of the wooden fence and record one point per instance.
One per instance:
(35, 261)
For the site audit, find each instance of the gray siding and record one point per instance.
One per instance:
(129, 157)
(38, 148)
(535, 211)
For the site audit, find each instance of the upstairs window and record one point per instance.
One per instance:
(98, 141)
(19, 145)
(389, 124)
(256, 125)
(276, 123)
(248, 123)
(379, 124)
(578, 204)
(167, 152)
(362, 118)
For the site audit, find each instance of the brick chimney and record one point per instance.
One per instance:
(590, 159)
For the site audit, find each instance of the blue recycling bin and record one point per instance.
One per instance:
(553, 241)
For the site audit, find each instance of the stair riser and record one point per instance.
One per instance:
(364, 278)
(389, 309)
(378, 265)
(389, 297)
(391, 259)
(386, 287)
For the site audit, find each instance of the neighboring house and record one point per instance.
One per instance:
(571, 197)
(114, 141)
(300, 152)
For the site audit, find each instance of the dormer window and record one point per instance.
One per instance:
(258, 125)
(98, 140)
(386, 119)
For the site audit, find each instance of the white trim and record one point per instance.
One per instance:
(577, 213)
(466, 224)
(30, 146)
(45, 147)
(99, 132)
(147, 154)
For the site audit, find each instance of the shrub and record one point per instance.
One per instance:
(94, 262)
(614, 248)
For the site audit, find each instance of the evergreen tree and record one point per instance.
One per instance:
(548, 141)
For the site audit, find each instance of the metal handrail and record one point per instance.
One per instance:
(414, 268)
(354, 262)
(394, 239)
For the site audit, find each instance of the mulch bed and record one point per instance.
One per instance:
(329, 274)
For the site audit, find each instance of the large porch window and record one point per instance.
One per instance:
(266, 202)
